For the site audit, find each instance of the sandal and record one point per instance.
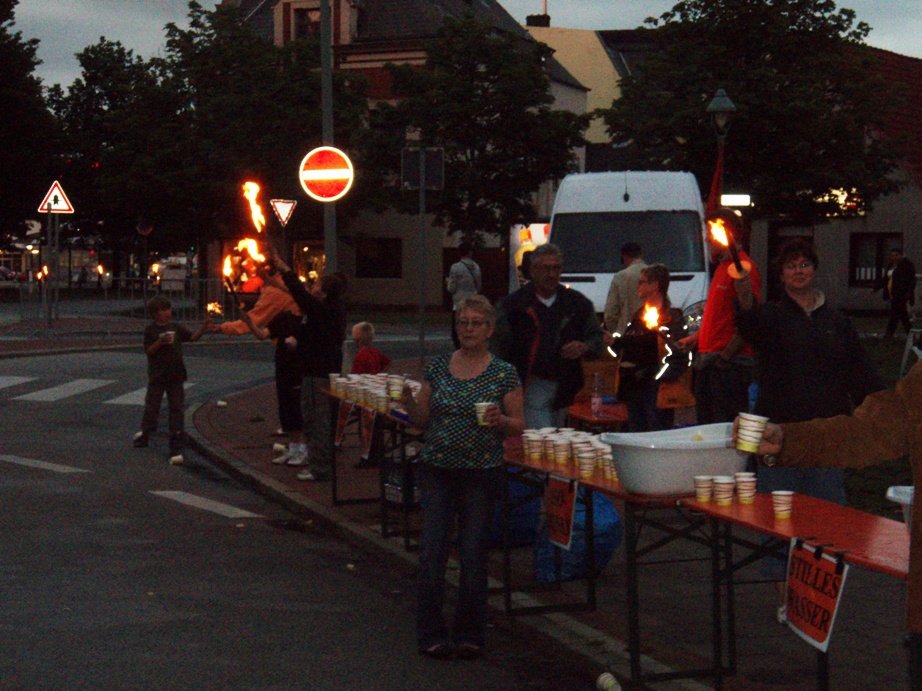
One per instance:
(468, 651)
(437, 651)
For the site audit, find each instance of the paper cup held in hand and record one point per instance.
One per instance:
(782, 500)
(481, 409)
(749, 432)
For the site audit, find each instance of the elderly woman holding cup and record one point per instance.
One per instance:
(811, 364)
(459, 475)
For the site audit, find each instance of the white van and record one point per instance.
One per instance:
(595, 214)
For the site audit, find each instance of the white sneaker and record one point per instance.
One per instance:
(297, 457)
(279, 448)
(306, 475)
(279, 460)
(178, 459)
(781, 614)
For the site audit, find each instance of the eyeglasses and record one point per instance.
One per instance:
(791, 266)
(471, 323)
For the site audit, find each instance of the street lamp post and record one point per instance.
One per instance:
(721, 110)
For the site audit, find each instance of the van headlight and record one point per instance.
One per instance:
(693, 315)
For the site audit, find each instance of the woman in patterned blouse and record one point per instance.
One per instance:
(459, 476)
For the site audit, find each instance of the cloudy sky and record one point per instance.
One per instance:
(67, 26)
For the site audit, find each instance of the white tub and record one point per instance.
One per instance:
(663, 463)
(903, 495)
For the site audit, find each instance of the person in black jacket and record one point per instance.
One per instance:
(810, 365)
(320, 344)
(546, 329)
(899, 285)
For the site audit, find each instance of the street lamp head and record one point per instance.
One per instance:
(721, 109)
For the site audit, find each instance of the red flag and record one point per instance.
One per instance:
(716, 184)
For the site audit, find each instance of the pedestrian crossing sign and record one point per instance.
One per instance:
(56, 202)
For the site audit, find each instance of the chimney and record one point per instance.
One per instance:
(543, 20)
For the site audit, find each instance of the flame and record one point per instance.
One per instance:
(251, 248)
(719, 232)
(251, 191)
(214, 308)
(99, 269)
(228, 268)
(651, 317)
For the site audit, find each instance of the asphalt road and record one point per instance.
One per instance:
(120, 571)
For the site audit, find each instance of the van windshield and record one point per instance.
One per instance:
(591, 242)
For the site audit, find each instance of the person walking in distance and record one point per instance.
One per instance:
(899, 286)
(623, 301)
(464, 279)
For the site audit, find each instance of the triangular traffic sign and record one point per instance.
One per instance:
(283, 209)
(56, 202)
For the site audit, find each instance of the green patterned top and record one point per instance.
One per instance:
(454, 440)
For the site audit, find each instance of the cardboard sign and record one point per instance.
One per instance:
(345, 410)
(814, 588)
(559, 506)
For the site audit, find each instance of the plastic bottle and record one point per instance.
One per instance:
(596, 404)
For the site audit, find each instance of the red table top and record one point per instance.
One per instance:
(870, 541)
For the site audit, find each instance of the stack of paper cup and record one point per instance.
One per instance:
(586, 461)
(704, 487)
(782, 500)
(395, 386)
(723, 490)
(745, 487)
(749, 432)
(561, 447)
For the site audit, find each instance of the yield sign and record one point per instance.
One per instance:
(56, 202)
(283, 209)
(326, 174)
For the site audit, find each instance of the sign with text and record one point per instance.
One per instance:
(559, 506)
(814, 588)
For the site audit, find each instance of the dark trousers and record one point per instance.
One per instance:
(175, 398)
(642, 413)
(288, 394)
(469, 496)
(722, 390)
(914, 644)
(899, 314)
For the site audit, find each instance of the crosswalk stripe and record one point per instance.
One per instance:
(207, 504)
(6, 382)
(71, 388)
(42, 465)
(137, 397)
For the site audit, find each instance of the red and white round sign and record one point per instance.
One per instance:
(326, 174)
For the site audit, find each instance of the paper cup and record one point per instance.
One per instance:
(749, 432)
(704, 487)
(782, 500)
(170, 336)
(746, 489)
(395, 386)
(586, 461)
(723, 490)
(481, 409)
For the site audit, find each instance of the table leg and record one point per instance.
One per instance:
(633, 604)
(716, 614)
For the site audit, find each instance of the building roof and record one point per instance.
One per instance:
(906, 120)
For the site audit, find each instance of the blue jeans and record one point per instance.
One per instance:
(822, 483)
(539, 405)
(469, 495)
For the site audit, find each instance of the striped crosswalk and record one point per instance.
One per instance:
(136, 397)
(49, 392)
(66, 390)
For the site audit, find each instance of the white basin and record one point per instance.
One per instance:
(665, 463)
(903, 495)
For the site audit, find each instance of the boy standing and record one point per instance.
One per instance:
(368, 359)
(166, 373)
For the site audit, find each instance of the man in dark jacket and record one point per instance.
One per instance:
(545, 330)
(899, 284)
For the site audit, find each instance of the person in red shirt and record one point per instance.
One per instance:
(368, 359)
(725, 361)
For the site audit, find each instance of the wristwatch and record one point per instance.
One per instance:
(770, 460)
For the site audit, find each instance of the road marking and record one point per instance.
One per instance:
(6, 382)
(207, 504)
(71, 388)
(137, 397)
(42, 465)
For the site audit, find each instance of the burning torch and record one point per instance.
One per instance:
(651, 320)
(719, 225)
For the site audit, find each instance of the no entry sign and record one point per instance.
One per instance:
(326, 174)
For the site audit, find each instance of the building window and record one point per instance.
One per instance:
(379, 258)
(867, 256)
(306, 23)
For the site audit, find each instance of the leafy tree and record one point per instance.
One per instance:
(27, 134)
(809, 104)
(485, 98)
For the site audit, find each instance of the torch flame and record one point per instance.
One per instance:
(719, 232)
(250, 191)
(251, 248)
(651, 317)
(99, 269)
(228, 268)
(214, 308)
